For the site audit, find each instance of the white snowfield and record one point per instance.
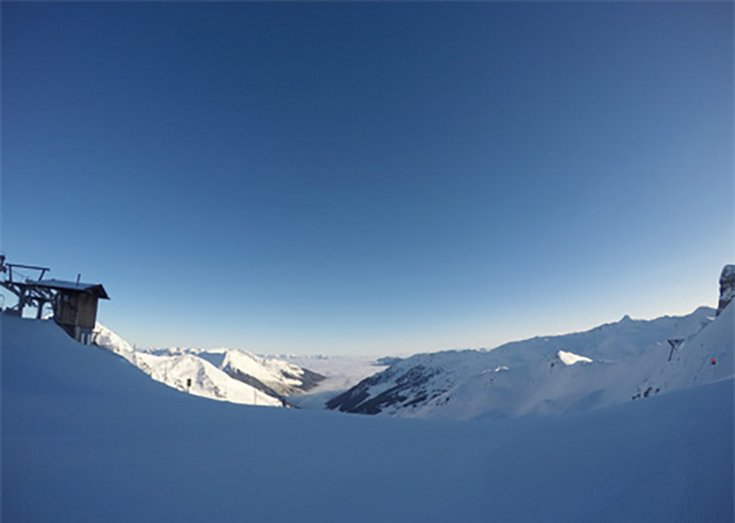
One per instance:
(206, 380)
(89, 438)
(283, 377)
(569, 358)
(280, 375)
(610, 364)
(209, 371)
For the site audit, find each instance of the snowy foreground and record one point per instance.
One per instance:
(88, 437)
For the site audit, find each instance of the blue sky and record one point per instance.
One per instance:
(370, 178)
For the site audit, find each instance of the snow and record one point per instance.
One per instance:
(627, 360)
(277, 374)
(104, 337)
(95, 289)
(87, 438)
(206, 380)
(569, 358)
(213, 373)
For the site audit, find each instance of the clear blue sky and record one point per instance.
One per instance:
(370, 178)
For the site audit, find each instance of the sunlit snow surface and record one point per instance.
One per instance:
(89, 438)
(569, 358)
(551, 375)
(209, 373)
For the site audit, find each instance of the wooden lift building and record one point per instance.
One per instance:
(74, 303)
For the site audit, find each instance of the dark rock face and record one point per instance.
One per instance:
(388, 360)
(309, 379)
(405, 388)
(727, 287)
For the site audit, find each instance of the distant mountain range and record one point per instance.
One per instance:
(622, 361)
(613, 363)
(222, 374)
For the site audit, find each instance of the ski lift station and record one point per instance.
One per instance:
(74, 303)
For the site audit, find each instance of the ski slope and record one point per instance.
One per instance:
(89, 438)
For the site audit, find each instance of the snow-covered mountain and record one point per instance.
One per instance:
(86, 437)
(222, 374)
(609, 364)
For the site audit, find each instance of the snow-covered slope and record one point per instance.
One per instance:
(281, 376)
(221, 374)
(206, 379)
(610, 364)
(89, 438)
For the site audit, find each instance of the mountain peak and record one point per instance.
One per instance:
(727, 287)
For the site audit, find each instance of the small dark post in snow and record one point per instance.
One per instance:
(188, 384)
(674, 345)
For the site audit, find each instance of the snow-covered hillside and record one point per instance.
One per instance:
(222, 374)
(89, 438)
(610, 364)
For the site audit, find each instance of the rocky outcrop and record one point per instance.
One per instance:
(727, 287)
(395, 387)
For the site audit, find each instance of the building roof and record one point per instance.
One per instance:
(96, 289)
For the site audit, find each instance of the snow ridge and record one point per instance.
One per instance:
(609, 364)
(220, 374)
